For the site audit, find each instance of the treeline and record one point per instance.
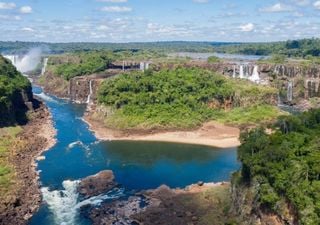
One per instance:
(179, 98)
(291, 48)
(12, 84)
(58, 48)
(285, 165)
(81, 63)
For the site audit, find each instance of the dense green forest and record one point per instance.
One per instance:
(11, 85)
(182, 98)
(83, 63)
(77, 64)
(291, 48)
(285, 165)
(58, 48)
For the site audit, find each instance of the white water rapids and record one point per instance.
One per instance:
(65, 205)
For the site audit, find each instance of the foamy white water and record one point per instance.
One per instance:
(45, 97)
(65, 205)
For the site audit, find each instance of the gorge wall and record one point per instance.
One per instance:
(294, 81)
(16, 95)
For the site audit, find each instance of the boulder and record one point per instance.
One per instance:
(97, 184)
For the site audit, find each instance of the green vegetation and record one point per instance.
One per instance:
(292, 48)
(11, 85)
(7, 141)
(69, 66)
(58, 48)
(214, 59)
(179, 98)
(250, 115)
(286, 165)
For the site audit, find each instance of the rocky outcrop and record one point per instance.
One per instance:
(196, 204)
(97, 184)
(81, 89)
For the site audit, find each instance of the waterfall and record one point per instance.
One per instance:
(246, 69)
(255, 75)
(241, 72)
(142, 66)
(90, 92)
(12, 58)
(28, 62)
(290, 91)
(44, 67)
(234, 72)
(65, 205)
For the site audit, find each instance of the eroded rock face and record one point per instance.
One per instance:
(97, 184)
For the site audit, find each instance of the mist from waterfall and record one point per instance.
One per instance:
(27, 62)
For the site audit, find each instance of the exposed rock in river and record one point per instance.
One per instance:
(97, 184)
(195, 204)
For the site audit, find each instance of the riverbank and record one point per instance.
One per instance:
(203, 203)
(24, 196)
(210, 134)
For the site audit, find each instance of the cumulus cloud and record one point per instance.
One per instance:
(7, 5)
(25, 9)
(247, 27)
(278, 7)
(116, 9)
(317, 5)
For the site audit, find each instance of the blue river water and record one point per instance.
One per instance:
(137, 165)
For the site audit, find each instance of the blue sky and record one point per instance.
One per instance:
(158, 20)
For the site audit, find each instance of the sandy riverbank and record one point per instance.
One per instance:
(210, 134)
(37, 136)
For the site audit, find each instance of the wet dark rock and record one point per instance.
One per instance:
(97, 184)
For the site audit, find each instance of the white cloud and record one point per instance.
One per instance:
(201, 1)
(279, 7)
(317, 5)
(7, 17)
(25, 9)
(113, 1)
(116, 9)
(7, 5)
(28, 29)
(247, 27)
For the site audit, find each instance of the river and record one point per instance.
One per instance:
(136, 165)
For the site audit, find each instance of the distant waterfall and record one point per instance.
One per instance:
(241, 72)
(290, 91)
(65, 205)
(255, 75)
(90, 92)
(12, 58)
(27, 62)
(44, 67)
